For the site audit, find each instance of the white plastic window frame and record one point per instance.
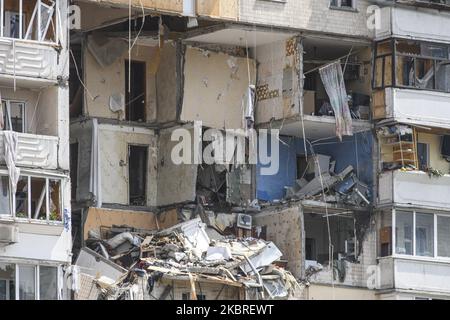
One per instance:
(46, 201)
(36, 277)
(435, 236)
(36, 16)
(7, 109)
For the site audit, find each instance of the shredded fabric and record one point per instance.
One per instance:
(333, 81)
(11, 143)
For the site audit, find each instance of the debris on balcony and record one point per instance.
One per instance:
(343, 187)
(185, 258)
(398, 147)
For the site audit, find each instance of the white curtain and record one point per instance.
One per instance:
(333, 81)
(11, 142)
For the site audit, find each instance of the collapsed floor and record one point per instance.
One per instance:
(188, 261)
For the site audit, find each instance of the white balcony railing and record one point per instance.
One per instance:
(421, 107)
(414, 274)
(23, 59)
(402, 22)
(414, 188)
(34, 151)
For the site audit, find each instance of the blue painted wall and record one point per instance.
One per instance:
(355, 151)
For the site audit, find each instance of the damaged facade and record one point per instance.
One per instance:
(357, 202)
(35, 216)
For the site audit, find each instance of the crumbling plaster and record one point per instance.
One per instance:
(215, 85)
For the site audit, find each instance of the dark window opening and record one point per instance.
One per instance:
(135, 94)
(187, 296)
(302, 166)
(76, 90)
(310, 249)
(137, 166)
(74, 168)
(422, 153)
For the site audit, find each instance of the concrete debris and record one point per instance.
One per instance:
(184, 255)
(344, 187)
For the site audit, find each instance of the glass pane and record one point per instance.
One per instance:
(424, 234)
(27, 282)
(55, 200)
(5, 207)
(436, 51)
(404, 232)
(443, 234)
(7, 281)
(17, 116)
(38, 198)
(3, 116)
(443, 76)
(48, 283)
(22, 198)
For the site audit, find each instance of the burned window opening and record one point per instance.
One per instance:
(74, 147)
(137, 166)
(76, 90)
(135, 96)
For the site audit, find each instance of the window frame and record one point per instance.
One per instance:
(62, 180)
(36, 266)
(338, 6)
(23, 104)
(414, 255)
(34, 19)
(394, 54)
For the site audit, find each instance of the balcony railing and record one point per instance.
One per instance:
(34, 151)
(414, 274)
(414, 188)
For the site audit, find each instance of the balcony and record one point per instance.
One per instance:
(414, 274)
(34, 151)
(402, 23)
(24, 60)
(411, 106)
(414, 188)
(29, 37)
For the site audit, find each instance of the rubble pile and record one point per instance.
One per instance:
(186, 253)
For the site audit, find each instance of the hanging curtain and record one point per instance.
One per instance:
(333, 81)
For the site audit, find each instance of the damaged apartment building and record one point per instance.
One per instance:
(35, 225)
(346, 215)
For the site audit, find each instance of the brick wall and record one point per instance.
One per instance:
(312, 15)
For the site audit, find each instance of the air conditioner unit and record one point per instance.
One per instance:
(9, 234)
(244, 221)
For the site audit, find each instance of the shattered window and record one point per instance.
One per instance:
(22, 208)
(5, 207)
(13, 116)
(55, 200)
(38, 198)
(443, 235)
(404, 232)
